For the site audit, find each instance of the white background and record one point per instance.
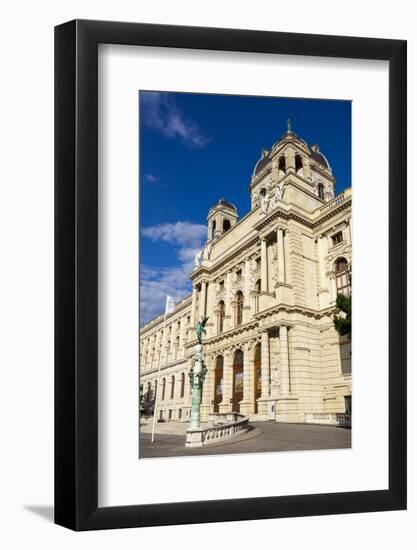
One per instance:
(26, 174)
(125, 480)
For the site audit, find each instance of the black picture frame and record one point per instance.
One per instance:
(76, 272)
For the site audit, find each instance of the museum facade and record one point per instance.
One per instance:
(268, 283)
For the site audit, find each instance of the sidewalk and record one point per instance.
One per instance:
(264, 437)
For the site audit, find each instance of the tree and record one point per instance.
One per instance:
(342, 320)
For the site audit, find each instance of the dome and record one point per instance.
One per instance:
(319, 157)
(223, 203)
(262, 162)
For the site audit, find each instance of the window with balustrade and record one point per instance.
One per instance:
(239, 307)
(221, 315)
(172, 386)
(337, 238)
(341, 269)
(345, 345)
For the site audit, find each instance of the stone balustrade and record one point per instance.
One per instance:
(223, 426)
(331, 419)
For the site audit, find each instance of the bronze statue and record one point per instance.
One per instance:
(200, 328)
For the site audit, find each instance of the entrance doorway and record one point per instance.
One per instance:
(257, 376)
(237, 381)
(218, 383)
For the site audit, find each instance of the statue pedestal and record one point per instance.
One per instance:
(194, 437)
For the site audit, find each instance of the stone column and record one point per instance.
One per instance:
(265, 364)
(321, 252)
(333, 286)
(226, 405)
(247, 309)
(227, 299)
(284, 360)
(202, 301)
(290, 160)
(246, 405)
(208, 389)
(281, 255)
(264, 266)
(193, 305)
(348, 230)
(254, 299)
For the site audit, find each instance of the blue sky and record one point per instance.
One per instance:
(196, 148)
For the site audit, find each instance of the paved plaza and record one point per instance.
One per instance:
(262, 437)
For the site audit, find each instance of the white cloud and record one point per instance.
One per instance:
(161, 113)
(150, 178)
(156, 282)
(183, 234)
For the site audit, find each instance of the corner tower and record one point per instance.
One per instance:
(221, 217)
(291, 171)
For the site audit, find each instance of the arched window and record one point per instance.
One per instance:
(239, 307)
(182, 384)
(221, 316)
(281, 164)
(218, 383)
(342, 276)
(262, 193)
(164, 382)
(177, 347)
(226, 225)
(213, 229)
(298, 164)
(237, 394)
(172, 386)
(320, 191)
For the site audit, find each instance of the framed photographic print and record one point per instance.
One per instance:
(222, 198)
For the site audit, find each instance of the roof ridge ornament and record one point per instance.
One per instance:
(289, 128)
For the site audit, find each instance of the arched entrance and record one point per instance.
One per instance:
(237, 381)
(218, 383)
(257, 387)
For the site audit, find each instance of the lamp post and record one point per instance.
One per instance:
(197, 375)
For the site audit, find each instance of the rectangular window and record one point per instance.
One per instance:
(170, 414)
(179, 414)
(346, 355)
(337, 238)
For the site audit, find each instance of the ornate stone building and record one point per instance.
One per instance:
(268, 283)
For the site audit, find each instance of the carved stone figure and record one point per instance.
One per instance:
(207, 251)
(264, 203)
(277, 195)
(198, 258)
